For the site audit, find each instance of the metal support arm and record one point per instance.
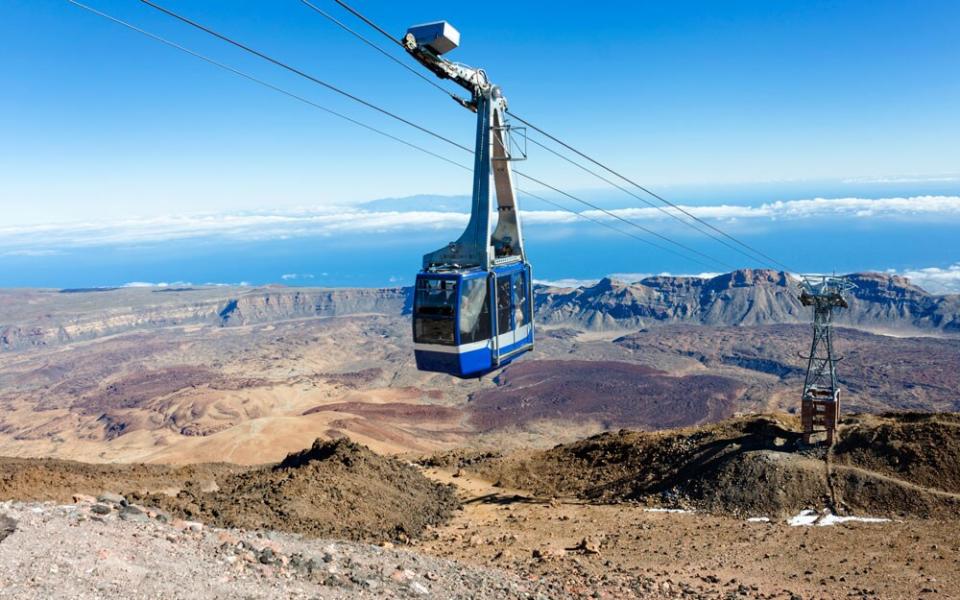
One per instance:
(477, 246)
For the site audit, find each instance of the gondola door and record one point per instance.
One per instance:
(512, 312)
(506, 337)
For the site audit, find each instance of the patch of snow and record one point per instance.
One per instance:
(667, 510)
(808, 517)
(758, 520)
(831, 519)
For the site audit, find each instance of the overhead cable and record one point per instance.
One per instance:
(263, 83)
(363, 39)
(303, 74)
(644, 189)
(718, 231)
(378, 131)
(640, 198)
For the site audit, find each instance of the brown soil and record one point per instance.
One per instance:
(353, 379)
(56, 480)
(570, 516)
(921, 448)
(615, 394)
(632, 553)
(403, 411)
(753, 466)
(333, 489)
(337, 489)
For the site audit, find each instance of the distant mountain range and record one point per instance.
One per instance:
(880, 303)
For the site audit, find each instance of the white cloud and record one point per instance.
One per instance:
(625, 277)
(566, 283)
(181, 284)
(815, 207)
(233, 226)
(29, 252)
(905, 179)
(634, 277)
(161, 284)
(934, 279)
(295, 276)
(32, 240)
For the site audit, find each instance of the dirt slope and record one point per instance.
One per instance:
(756, 466)
(631, 552)
(918, 447)
(337, 489)
(49, 479)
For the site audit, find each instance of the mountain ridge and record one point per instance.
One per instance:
(880, 302)
(744, 297)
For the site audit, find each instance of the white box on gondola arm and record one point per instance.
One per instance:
(441, 37)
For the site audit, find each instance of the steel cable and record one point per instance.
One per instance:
(386, 134)
(756, 253)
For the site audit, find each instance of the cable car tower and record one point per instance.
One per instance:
(472, 309)
(820, 403)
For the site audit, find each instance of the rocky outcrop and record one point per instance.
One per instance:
(743, 297)
(891, 301)
(273, 306)
(41, 318)
(49, 318)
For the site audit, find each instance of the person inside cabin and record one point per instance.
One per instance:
(503, 248)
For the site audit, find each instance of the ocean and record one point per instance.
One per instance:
(383, 245)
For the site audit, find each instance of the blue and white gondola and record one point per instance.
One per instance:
(473, 299)
(468, 323)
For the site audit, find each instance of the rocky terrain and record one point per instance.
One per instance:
(880, 302)
(737, 509)
(619, 394)
(877, 372)
(247, 375)
(90, 549)
(43, 318)
(891, 466)
(341, 489)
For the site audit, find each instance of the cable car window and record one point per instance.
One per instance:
(433, 331)
(436, 297)
(503, 304)
(434, 309)
(474, 311)
(520, 301)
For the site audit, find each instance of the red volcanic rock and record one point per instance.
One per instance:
(401, 411)
(615, 394)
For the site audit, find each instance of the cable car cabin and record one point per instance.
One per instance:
(472, 305)
(467, 323)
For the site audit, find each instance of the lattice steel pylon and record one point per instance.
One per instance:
(820, 403)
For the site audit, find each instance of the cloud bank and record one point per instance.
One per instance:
(934, 279)
(43, 239)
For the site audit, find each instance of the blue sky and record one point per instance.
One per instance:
(741, 102)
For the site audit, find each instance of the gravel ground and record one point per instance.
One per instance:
(107, 549)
